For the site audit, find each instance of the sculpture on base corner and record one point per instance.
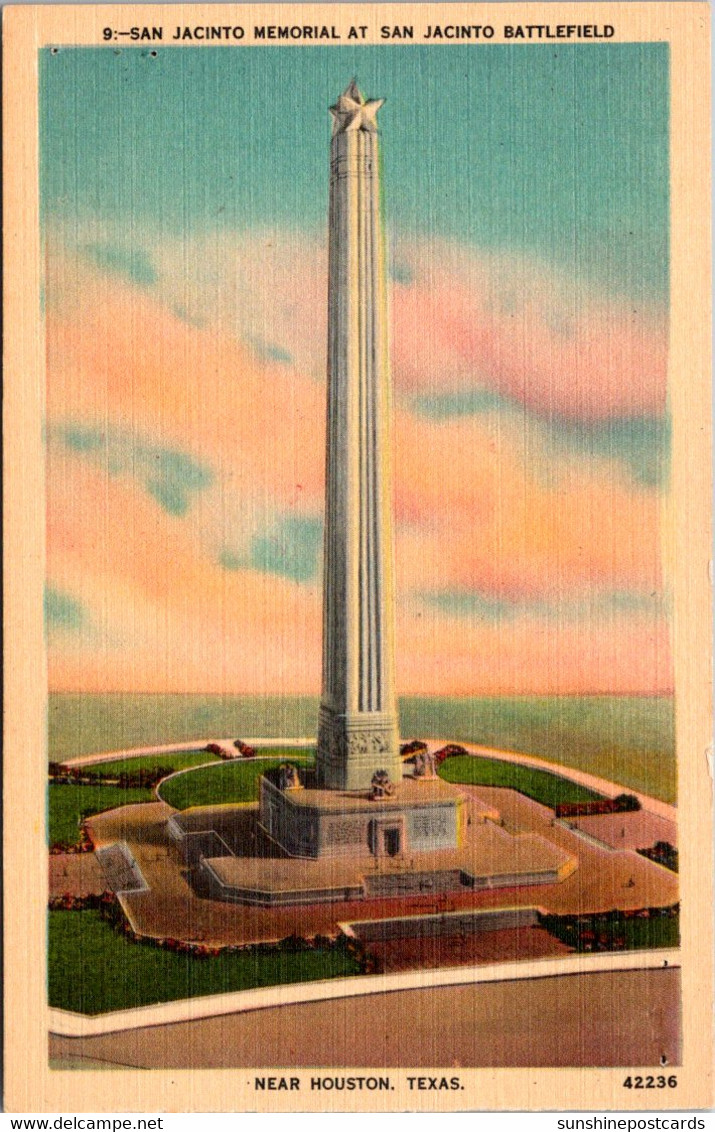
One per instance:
(425, 765)
(380, 786)
(288, 777)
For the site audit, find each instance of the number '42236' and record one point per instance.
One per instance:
(659, 1082)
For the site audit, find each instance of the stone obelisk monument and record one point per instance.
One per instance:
(358, 732)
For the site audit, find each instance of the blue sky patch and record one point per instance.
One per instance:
(62, 611)
(457, 403)
(270, 351)
(641, 445)
(170, 476)
(291, 548)
(133, 264)
(476, 606)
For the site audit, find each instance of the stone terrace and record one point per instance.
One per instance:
(490, 853)
(173, 908)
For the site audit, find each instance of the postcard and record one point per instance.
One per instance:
(357, 528)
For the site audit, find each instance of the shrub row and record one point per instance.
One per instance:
(242, 750)
(126, 780)
(418, 746)
(623, 804)
(663, 853)
(451, 751)
(413, 747)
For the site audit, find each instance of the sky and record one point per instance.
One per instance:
(184, 204)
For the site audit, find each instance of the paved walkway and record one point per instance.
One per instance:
(79, 874)
(66, 1024)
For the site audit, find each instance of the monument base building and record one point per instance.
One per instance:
(312, 846)
(421, 815)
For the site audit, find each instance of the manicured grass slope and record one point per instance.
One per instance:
(226, 782)
(238, 782)
(92, 969)
(652, 933)
(67, 805)
(626, 739)
(172, 760)
(537, 784)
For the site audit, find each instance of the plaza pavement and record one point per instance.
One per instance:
(77, 873)
(640, 831)
(636, 987)
(605, 879)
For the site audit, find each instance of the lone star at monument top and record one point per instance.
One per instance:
(353, 111)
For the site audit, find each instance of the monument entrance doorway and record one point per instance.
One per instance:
(386, 836)
(392, 841)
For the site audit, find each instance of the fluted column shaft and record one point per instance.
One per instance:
(358, 731)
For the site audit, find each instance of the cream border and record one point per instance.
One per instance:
(30, 1085)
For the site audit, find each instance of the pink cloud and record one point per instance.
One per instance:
(466, 319)
(520, 330)
(481, 506)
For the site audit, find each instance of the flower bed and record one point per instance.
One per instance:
(451, 751)
(623, 804)
(85, 844)
(94, 968)
(617, 930)
(663, 853)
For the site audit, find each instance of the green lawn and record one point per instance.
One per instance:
(537, 784)
(231, 782)
(93, 969)
(626, 739)
(660, 932)
(223, 783)
(172, 760)
(67, 805)
(636, 932)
